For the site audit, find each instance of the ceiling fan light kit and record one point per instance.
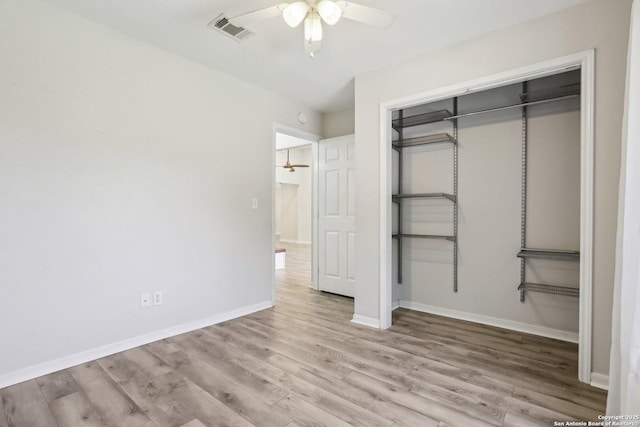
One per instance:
(313, 12)
(295, 13)
(329, 11)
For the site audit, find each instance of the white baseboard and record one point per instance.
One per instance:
(366, 321)
(494, 321)
(395, 305)
(65, 362)
(600, 380)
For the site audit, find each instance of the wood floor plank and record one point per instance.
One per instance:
(75, 410)
(3, 416)
(525, 413)
(119, 368)
(306, 414)
(57, 385)
(341, 408)
(362, 349)
(162, 347)
(159, 407)
(432, 370)
(163, 410)
(25, 405)
(347, 407)
(325, 360)
(146, 362)
(478, 343)
(467, 398)
(202, 348)
(228, 392)
(345, 357)
(205, 407)
(297, 371)
(516, 420)
(404, 397)
(111, 402)
(564, 406)
(521, 378)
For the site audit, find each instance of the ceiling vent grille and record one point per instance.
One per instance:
(222, 24)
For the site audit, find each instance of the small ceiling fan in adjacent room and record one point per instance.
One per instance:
(313, 12)
(291, 167)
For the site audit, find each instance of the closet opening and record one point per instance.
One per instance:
(487, 201)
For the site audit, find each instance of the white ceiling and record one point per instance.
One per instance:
(284, 141)
(274, 58)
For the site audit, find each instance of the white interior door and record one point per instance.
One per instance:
(336, 206)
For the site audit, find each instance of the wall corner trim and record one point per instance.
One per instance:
(366, 321)
(66, 362)
(600, 381)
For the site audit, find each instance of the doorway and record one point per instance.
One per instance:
(294, 227)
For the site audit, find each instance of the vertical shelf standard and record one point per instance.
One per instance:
(529, 98)
(400, 145)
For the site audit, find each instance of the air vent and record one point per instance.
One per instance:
(222, 24)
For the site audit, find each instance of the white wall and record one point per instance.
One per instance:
(118, 176)
(287, 207)
(300, 231)
(598, 24)
(339, 123)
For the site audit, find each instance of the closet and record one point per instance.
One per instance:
(486, 203)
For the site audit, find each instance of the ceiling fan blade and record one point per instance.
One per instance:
(258, 15)
(299, 166)
(365, 14)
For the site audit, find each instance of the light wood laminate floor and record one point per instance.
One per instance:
(303, 363)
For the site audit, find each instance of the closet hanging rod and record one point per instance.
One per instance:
(508, 107)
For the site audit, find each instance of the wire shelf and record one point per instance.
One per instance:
(425, 236)
(548, 253)
(424, 140)
(556, 92)
(397, 197)
(421, 119)
(549, 289)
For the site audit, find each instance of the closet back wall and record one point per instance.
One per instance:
(118, 175)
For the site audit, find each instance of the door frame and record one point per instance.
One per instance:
(313, 138)
(585, 61)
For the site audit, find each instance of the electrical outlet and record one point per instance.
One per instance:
(157, 298)
(145, 300)
(254, 203)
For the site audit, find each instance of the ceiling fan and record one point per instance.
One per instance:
(313, 12)
(291, 167)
